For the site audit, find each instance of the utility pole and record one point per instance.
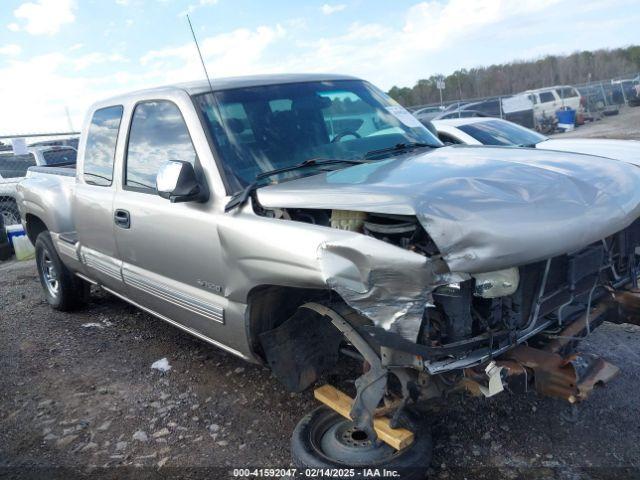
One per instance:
(440, 87)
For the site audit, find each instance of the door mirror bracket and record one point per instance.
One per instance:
(177, 181)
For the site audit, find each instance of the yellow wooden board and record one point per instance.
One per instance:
(333, 398)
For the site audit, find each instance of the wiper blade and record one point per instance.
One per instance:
(243, 195)
(399, 147)
(308, 163)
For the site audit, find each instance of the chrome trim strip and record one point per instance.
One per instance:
(94, 260)
(191, 331)
(168, 294)
(66, 249)
(86, 279)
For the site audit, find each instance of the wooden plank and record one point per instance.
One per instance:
(341, 403)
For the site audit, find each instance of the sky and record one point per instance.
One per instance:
(59, 56)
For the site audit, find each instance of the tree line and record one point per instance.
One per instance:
(517, 76)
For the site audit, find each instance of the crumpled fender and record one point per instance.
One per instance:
(390, 285)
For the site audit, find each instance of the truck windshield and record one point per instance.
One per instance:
(500, 132)
(260, 129)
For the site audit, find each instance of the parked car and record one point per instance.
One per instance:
(547, 101)
(427, 113)
(243, 215)
(551, 99)
(54, 155)
(64, 142)
(13, 168)
(494, 131)
(460, 114)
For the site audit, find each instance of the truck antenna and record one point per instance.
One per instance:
(206, 74)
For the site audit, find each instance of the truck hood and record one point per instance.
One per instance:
(625, 150)
(486, 208)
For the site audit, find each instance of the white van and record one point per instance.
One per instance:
(546, 101)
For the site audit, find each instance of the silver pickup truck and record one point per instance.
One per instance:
(307, 221)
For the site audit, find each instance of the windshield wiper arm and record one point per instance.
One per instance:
(398, 147)
(243, 195)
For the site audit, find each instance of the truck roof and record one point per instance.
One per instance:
(228, 83)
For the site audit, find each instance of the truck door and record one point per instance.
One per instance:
(93, 199)
(170, 251)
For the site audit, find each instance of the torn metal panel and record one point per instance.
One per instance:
(571, 378)
(629, 303)
(389, 285)
(486, 208)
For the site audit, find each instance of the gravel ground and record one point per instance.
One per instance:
(625, 126)
(77, 394)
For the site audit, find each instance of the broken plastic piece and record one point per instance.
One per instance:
(494, 373)
(161, 365)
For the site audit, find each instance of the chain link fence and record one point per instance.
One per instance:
(596, 100)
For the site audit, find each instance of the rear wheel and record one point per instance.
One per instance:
(63, 290)
(325, 439)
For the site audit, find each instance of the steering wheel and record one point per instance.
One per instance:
(343, 134)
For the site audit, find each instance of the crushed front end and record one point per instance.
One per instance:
(522, 324)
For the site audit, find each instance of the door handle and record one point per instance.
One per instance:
(122, 218)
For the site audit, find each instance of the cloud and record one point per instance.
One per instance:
(96, 58)
(193, 7)
(239, 52)
(432, 36)
(124, 3)
(40, 106)
(10, 50)
(44, 17)
(329, 9)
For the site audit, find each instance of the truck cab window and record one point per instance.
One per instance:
(158, 135)
(101, 146)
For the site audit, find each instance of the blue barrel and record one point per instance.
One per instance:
(566, 116)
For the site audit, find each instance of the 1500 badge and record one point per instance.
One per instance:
(210, 286)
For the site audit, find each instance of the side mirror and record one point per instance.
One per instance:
(177, 182)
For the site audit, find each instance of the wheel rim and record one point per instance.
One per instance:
(49, 273)
(342, 442)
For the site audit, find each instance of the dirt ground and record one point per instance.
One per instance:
(625, 126)
(78, 397)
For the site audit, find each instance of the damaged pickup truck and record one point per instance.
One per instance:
(308, 220)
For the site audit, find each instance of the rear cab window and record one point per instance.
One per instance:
(100, 150)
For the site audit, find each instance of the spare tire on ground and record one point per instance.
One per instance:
(325, 440)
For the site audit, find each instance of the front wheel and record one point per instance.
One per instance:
(325, 439)
(63, 290)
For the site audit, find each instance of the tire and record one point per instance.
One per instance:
(307, 450)
(9, 211)
(5, 247)
(63, 290)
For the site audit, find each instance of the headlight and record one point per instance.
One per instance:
(497, 284)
